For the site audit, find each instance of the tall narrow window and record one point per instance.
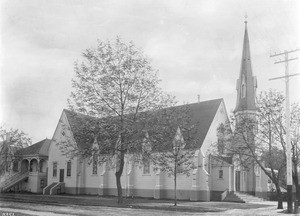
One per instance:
(69, 168)
(243, 87)
(243, 90)
(95, 165)
(54, 169)
(146, 166)
(220, 174)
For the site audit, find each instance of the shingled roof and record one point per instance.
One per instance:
(201, 116)
(40, 148)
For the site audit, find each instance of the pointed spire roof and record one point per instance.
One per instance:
(246, 84)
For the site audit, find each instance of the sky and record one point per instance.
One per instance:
(195, 44)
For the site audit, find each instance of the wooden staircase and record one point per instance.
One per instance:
(46, 190)
(13, 180)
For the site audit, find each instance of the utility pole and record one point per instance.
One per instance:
(288, 122)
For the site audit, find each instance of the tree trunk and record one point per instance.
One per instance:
(296, 180)
(175, 190)
(118, 178)
(279, 196)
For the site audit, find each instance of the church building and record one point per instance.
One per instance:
(215, 177)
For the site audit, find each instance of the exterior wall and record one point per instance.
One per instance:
(220, 184)
(208, 147)
(211, 136)
(134, 182)
(143, 184)
(33, 183)
(55, 155)
(183, 186)
(92, 181)
(251, 178)
(263, 192)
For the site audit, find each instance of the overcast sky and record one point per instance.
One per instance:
(195, 44)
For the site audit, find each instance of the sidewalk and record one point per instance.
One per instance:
(208, 208)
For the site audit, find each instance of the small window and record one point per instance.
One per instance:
(146, 166)
(54, 169)
(95, 165)
(220, 174)
(42, 183)
(69, 168)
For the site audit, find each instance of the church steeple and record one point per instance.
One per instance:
(246, 84)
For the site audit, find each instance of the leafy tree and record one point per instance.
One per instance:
(173, 143)
(260, 139)
(116, 83)
(11, 141)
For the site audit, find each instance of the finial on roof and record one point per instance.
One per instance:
(246, 16)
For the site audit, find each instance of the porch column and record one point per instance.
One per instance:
(229, 178)
(29, 161)
(38, 165)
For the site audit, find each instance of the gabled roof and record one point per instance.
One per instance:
(40, 148)
(201, 116)
(81, 127)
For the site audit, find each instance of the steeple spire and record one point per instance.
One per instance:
(246, 84)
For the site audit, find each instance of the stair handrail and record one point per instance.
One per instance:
(10, 177)
(224, 194)
(49, 187)
(14, 178)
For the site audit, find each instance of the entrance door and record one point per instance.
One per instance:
(237, 180)
(61, 175)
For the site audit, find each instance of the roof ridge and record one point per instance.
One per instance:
(189, 104)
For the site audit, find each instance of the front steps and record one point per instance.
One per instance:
(241, 198)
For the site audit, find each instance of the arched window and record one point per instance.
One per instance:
(243, 90)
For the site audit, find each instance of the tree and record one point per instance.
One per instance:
(116, 83)
(11, 141)
(173, 143)
(260, 139)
